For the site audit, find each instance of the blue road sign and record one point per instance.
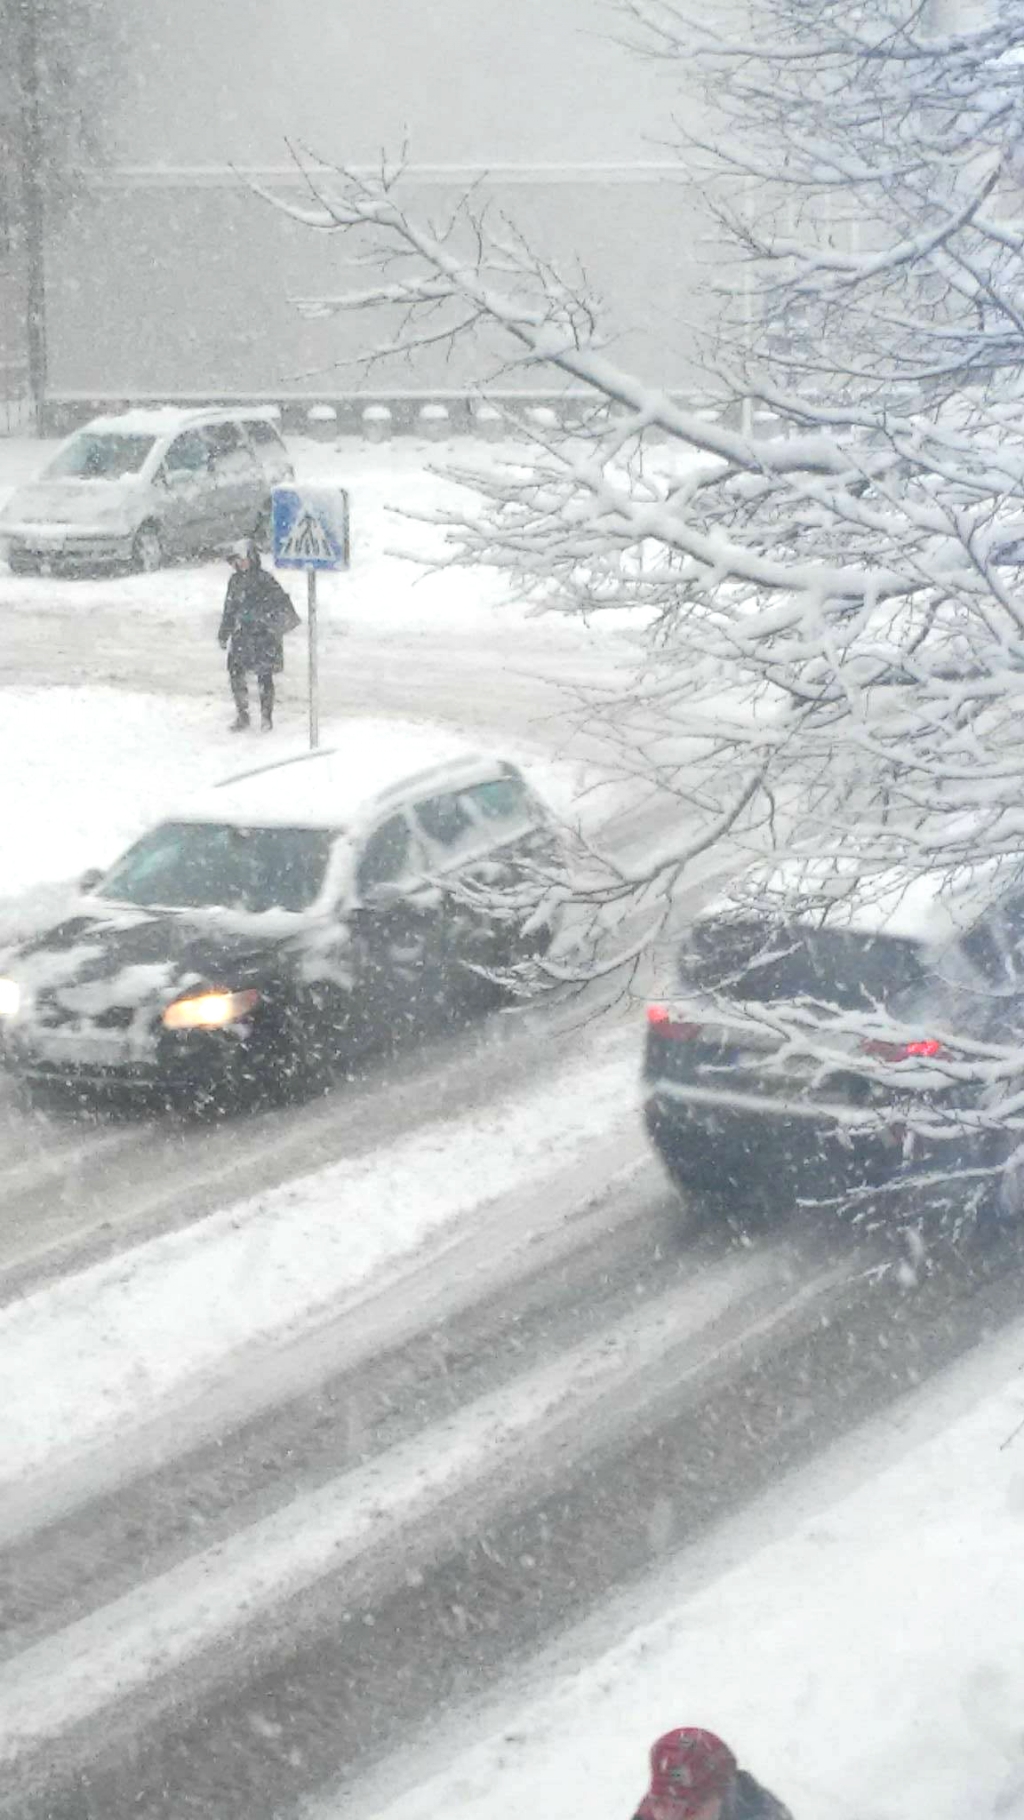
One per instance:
(310, 527)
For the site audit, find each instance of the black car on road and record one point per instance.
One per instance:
(286, 919)
(864, 1052)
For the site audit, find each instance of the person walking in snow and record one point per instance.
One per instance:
(694, 1776)
(257, 614)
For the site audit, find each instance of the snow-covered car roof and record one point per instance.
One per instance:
(345, 784)
(168, 419)
(931, 908)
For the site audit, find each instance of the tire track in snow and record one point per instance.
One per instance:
(347, 1670)
(152, 1175)
(456, 1473)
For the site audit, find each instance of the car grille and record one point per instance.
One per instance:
(118, 1017)
(51, 1015)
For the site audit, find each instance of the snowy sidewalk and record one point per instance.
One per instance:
(857, 1636)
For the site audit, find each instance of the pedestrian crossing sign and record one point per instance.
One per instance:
(310, 527)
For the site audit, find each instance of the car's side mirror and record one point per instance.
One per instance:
(90, 879)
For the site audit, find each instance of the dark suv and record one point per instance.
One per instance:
(286, 919)
(861, 1054)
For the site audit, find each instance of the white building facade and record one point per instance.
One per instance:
(170, 278)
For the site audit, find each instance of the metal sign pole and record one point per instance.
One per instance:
(314, 677)
(310, 532)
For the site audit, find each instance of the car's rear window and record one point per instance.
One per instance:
(192, 865)
(94, 456)
(501, 799)
(751, 961)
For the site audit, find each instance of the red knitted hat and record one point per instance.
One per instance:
(688, 1768)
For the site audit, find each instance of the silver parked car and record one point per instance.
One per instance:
(140, 488)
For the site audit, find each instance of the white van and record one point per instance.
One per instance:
(149, 485)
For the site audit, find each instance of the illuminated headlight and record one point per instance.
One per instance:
(10, 998)
(209, 1010)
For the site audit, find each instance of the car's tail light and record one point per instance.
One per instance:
(902, 1052)
(661, 1023)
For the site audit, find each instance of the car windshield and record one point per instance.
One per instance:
(99, 456)
(756, 962)
(202, 864)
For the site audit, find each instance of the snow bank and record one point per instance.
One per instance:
(86, 769)
(867, 1662)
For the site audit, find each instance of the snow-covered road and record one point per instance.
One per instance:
(376, 1522)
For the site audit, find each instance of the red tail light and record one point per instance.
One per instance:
(902, 1052)
(662, 1023)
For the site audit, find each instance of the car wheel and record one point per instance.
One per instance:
(294, 1059)
(688, 1214)
(995, 1210)
(741, 1211)
(20, 563)
(525, 946)
(505, 979)
(1006, 1196)
(147, 549)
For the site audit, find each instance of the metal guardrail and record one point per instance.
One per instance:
(406, 410)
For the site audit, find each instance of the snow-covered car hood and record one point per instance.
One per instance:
(75, 502)
(121, 957)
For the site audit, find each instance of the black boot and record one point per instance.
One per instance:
(240, 696)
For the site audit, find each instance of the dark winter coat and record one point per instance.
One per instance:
(257, 614)
(747, 1800)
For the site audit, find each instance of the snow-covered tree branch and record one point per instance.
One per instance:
(832, 612)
